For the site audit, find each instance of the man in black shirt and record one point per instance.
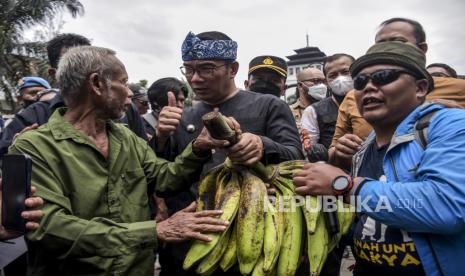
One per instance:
(393, 249)
(269, 132)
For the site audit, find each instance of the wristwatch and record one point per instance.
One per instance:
(342, 185)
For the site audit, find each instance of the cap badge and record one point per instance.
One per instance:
(268, 61)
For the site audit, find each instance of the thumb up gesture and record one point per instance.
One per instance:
(169, 118)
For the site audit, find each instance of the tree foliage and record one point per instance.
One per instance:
(19, 57)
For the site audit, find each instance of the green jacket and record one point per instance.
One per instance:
(96, 209)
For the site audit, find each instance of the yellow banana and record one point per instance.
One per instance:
(208, 264)
(230, 255)
(229, 203)
(250, 222)
(274, 230)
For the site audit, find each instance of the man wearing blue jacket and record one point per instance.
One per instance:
(407, 179)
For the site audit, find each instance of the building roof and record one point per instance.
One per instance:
(306, 55)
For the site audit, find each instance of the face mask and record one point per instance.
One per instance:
(341, 85)
(265, 87)
(317, 92)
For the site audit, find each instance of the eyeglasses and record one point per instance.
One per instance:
(381, 77)
(440, 74)
(314, 81)
(202, 71)
(145, 103)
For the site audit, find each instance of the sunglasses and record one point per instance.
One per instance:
(379, 78)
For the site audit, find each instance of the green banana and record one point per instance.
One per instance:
(274, 230)
(209, 264)
(317, 246)
(311, 213)
(345, 221)
(250, 222)
(291, 247)
(230, 256)
(222, 180)
(229, 203)
(206, 191)
(258, 269)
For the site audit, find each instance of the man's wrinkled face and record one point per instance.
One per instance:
(388, 104)
(209, 79)
(117, 95)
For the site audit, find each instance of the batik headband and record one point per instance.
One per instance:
(194, 49)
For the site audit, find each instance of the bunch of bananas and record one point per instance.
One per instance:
(267, 235)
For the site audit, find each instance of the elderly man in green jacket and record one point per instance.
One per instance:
(95, 175)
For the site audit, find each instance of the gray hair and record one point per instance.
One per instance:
(78, 63)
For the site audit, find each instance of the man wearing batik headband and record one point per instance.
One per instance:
(407, 177)
(269, 132)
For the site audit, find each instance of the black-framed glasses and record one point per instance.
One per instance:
(314, 81)
(440, 74)
(381, 77)
(205, 71)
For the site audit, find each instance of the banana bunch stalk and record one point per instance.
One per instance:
(267, 235)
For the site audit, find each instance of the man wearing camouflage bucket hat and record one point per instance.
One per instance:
(406, 177)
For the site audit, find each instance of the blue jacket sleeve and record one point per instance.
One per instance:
(435, 202)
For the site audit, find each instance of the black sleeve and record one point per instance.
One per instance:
(135, 122)
(36, 113)
(282, 141)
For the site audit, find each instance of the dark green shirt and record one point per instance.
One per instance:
(96, 209)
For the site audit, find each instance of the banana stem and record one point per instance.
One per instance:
(218, 128)
(261, 171)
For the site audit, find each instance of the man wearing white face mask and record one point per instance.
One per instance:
(319, 119)
(311, 88)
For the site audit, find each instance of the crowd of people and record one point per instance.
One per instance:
(116, 165)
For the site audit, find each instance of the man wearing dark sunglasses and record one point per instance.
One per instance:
(352, 129)
(419, 228)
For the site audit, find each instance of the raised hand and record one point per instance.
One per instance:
(347, 146)
(168, 119)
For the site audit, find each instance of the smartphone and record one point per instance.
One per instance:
(16, 187)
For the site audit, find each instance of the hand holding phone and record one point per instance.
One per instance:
(16, 187)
